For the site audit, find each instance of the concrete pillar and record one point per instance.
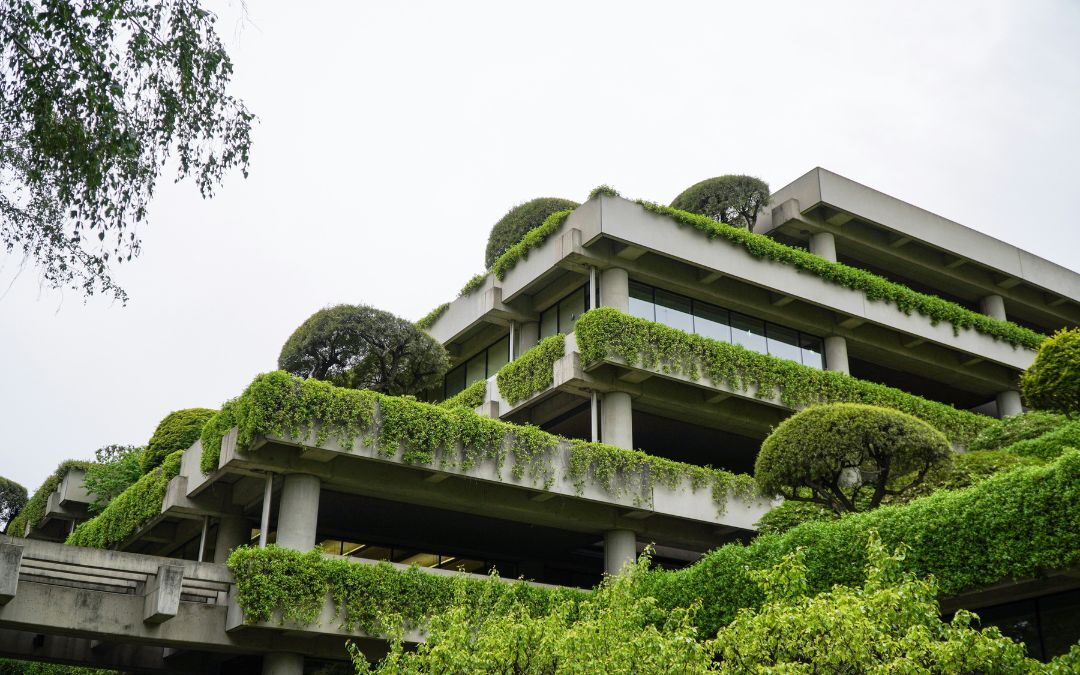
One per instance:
(233, 531)
(836, 354)
(1009, 404)
(298, 511)
(278, 663)
(528, 334)
(616, 420)
(993, 306)
(615, 289)
(823, 245)
(620, 549)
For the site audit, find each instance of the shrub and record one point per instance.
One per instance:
(1053, 380)
(734, 200)
(12, 500)
(116, 468)
(1050, 445)
(34, 510)
(605, 190)
(836, 451)
(177, 431)
(533, 371)
(518, 221)
(470, 398)
(1016, 428)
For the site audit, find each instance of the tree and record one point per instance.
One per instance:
(730, 199)
(829, 454)
(177, 431)
(517, 222)
(364, 348)
(1052, 382)
(115, 469)
(95, 98)
(12, 500)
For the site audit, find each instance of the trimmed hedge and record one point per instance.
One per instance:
(34, 510)
(519, 222)
(605, 332)
(1053, 381)
(1017, 428)
(1011, 526)
(177, 431)
(282, 405)
(872, 285)
(1050, 445)
(531, 372)
(535, 237)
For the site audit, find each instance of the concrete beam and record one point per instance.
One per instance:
(899, 241)
(707, 277)
(628, 252)
(162, 599)
(10, 561)
(778, 300)
(620, 550)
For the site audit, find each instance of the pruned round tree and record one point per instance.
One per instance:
(848, 456)
(177, 431)
(362, 347)
(12, 500)
(1052, 382)
(517, 222)
(731, 199)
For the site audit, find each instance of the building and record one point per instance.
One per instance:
(520, 356)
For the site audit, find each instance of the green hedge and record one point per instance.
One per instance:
(471, 397)
(1050, 445)
(429, 319)
(282, 405)
(177, 431)
(1017, 428)
(1011, 526)
(872, 285)
(535, 237)
(34, 510)
(533, 371)
(129, 510)
(377, 599)
(606, 332)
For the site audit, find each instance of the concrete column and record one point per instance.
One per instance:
(528, 334)
(836, 354)
(615, 289)
(232, 532)
(616, 420)
(277, 663)
(298, 512)
(993, 306)
(620, 549)
(823, 244)
(1009, 404)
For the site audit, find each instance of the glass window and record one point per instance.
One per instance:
(748, 332)
(549, 322)
(474, 369)
(570, 309)
(498, 355)
(812, 351)
(641, 301)
(674, 310)
(455, 381)
(712, 322)
(783, 343)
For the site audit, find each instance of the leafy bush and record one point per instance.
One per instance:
(1052, 382)
(116, 468)
(1016, 428)
(531, 372)
(605, 332)
(605, 190)
(16, 667)
(518, 221)
(34, 510)
(177, 431)
(966, 469)
(1050, 445)
(470, 398)
(734, 200)
(791, 514)
(836, 451)
(12, 500)
(531, 240)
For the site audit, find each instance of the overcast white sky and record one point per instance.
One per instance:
(393, 135)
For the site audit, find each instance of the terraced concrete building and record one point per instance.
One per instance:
(620, 326)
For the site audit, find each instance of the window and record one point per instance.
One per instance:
(561, 317)
(783, 343)
(748, 332)
(813, 353)
(674, 310)
(480, 367)
(498, 355)
(641, 301)
(712, 322)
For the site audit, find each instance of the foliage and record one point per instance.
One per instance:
(95, 99)
(838, 450)
(472, 285)
(129, 510)
(470, 398)
(605, 190)
(1052, 382)
(177, 431)
(531, 372)
(605, 332)
(1050, 445)
(1009, 526)
(512, 227)
(116, 468)
(16, 667)
(1016, 428)
(791, 514)
(362, 347)
(873, 286)
(12, 500)
(730, 199)
(378, 599)
(532, 239)
(34, 511)
(429, 319)
(277, 404)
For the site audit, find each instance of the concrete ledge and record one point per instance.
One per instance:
(10, 561)
(162, 599)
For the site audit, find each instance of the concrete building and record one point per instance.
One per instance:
(610, 252)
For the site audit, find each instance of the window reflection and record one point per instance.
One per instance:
(561, 317)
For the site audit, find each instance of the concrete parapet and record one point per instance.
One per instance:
(162, 599)
(10, 561)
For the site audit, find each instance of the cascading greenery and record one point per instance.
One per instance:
(278, 404)
(429, 319)
(471, 397)
(473, 285)
(34, 510)
(873, 286)
(533, 371)
(605, 332)
(534, 238)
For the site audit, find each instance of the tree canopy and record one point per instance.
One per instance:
(177, 431)
(115, 469)
(730, 199)
(1052, 382)
(12, 499)
(517, 222)
(831, 454)
(95, 99)
(364, 348)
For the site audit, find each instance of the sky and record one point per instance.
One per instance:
(392, 135)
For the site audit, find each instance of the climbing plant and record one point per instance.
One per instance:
(533, 371)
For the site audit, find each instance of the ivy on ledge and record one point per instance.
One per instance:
(470, 398)
(605, 332)
(33, 511)
(472, 285)
(429, 319)
(873, 286)
(533, 371)
(278, 404)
